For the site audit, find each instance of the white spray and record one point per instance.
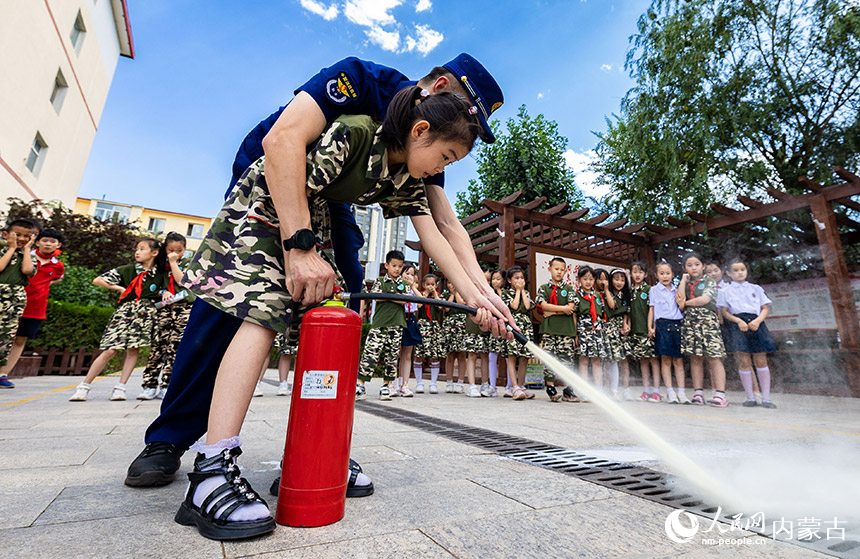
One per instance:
(709, 487)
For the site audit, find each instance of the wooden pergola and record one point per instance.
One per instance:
(502, 233)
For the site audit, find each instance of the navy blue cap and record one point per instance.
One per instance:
(482, 88)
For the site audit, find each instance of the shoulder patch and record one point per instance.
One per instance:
(340, 89)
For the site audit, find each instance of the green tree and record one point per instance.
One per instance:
(732, 95)
(529, 156)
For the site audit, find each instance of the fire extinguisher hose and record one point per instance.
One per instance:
(518, 336)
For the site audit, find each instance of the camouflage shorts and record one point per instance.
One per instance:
(641, 346)
(13, 299)
(287, 344)
(476, 343)
(453, 329)
(616, 345)
(514, 348)
(497, 345)
(130, 326)
(170, 322)
(239, 267)
(700, 334)
(432, 340)
(381, 344)
(562, 347)
(591, 340)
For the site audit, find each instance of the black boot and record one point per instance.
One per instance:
(155, 466)
(235, 492)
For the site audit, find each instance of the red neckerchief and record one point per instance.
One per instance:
(135, 285)
(54, 254)
(170, 286)
(553, 297)
(427, 310)
(603, 301)
(592, 309)
(692, 285)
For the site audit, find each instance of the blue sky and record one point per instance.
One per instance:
(206, 72)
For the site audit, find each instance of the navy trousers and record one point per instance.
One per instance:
(185, 408)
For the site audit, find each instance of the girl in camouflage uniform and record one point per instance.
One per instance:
(617, 297)
(497, 347)
(590, 320)
(641, 344)
(700, 331)
(517, 298)
(454, 327)
(432, 347)
(240, 267)
(140, 285)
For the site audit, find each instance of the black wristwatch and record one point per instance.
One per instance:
(303, 239)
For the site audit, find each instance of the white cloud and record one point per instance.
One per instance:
(328, 13)
(424, 41)
(387, 40)
(369, 13)
(606, 67)
(540, 95)
(423, 5)
(586, 179)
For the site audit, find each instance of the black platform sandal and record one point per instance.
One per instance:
(352, 490)
(236, 489)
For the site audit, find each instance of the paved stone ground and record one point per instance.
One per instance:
(63, 464)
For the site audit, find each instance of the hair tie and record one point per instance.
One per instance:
(473, 110)
(663, 261)
(425, 93)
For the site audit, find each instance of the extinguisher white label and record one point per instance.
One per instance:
(319, 385)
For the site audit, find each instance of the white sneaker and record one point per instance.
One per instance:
(673, 399)
(394, 387)
(509, 392)
(258, 391)
(628, 395)
(485, 390)
(360, 392)
(449, 388)
(384, 392)
(147, 394)
(494, 392)
(458, 388)
(433, 389)
(118, 393)
(473, 391)
(404, 392)
(161, 393)
(284, 388)
(419, 388)
(80, 394)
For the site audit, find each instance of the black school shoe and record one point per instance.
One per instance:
(235, 492)
(155, 466)
(352, 490)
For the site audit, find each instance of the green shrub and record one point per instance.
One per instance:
(73, 326)
(77, 287)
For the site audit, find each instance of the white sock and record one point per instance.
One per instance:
(494, 368)
(119, 385)
(252, 511)
(434, 372)
(419, 372)
(613, 376)
(360, 480)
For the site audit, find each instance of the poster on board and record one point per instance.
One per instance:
(540, 267)
(804, 304)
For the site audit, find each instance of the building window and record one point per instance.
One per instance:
(58, 94)
(37, 154)
(195, 231)
(187, 254)
(156, 225)
(78, 32)
(112, 212)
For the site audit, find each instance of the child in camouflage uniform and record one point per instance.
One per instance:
(496, 347)
(517, 356)
(16, 269)
(558, 329)
(454, 328)
(432, 346)
(386, 329)
(287, 349)
(590, 319)
(140, 285)
(700, 331)
(617, 298)
(240, 268)
(641, 345)
(411, 339)
(170, 321)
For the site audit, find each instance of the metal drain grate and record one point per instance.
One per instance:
(619, 476)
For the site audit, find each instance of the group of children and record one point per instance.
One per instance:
(595, 325)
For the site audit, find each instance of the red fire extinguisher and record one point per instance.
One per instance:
(316, 453)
